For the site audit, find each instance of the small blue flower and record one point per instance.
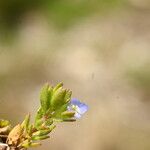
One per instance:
(78, 107)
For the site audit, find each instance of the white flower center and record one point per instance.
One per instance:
(76, 109)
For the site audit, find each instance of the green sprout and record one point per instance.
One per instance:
(56, 106)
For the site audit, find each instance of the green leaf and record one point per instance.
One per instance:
(37, 138)
(45, 97)
(68, 95)
(35, 144)
(68, 114)
(48, 122)
(39, 114)
(30, 128)
(4, 123)
(38, 124)
(59, 85)
(58, 98)
(43, 132)
(25, 123)
(25, 144)
(58, 113)
(38, 118)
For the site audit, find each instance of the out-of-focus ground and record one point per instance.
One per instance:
(104, 58)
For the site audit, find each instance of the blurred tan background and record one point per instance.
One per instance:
(100, 49)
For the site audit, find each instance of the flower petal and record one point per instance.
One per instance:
(77, 115)
(78, 107)
(83, 108)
